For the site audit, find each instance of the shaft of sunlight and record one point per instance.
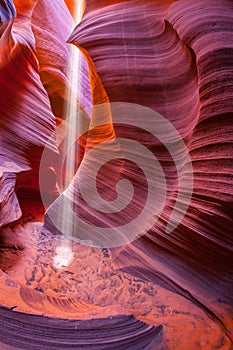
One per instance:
(64, 254)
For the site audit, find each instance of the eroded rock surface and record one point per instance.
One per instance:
(173, 288)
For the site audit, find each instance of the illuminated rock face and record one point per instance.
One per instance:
(181, 68)
(52, 25)
(173, 57)
(26, 117)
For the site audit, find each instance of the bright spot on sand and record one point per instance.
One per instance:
(63, 257)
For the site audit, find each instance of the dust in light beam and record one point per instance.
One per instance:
(64, 255)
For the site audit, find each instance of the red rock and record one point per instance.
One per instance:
(187, 77)
(174, 57)
(26, 118)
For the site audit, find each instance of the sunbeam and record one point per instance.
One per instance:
(64, 255)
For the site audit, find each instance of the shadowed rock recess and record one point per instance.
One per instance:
(116, 162)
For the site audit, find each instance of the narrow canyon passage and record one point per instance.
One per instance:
(116, 174)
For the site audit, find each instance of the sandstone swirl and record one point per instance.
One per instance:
(152, 188)
(26, 117)
(52, 25)
(97, 334)
(177, 61)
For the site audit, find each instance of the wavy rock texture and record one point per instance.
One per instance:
(52, 25)
(122, 331)
(26, 117)
(172, 58)
(25, 102)
(179, 66)
(92, 287)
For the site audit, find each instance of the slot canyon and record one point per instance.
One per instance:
(116, 174)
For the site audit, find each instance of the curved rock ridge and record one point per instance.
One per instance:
(181, 67)
(135, 76)
(121, 332)
(157, 83)
(52, 25)
(96, 39)
(92, 5)
(26, 118)
(7, 10)
(153, 67)
(209, 34)
(10, 208)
